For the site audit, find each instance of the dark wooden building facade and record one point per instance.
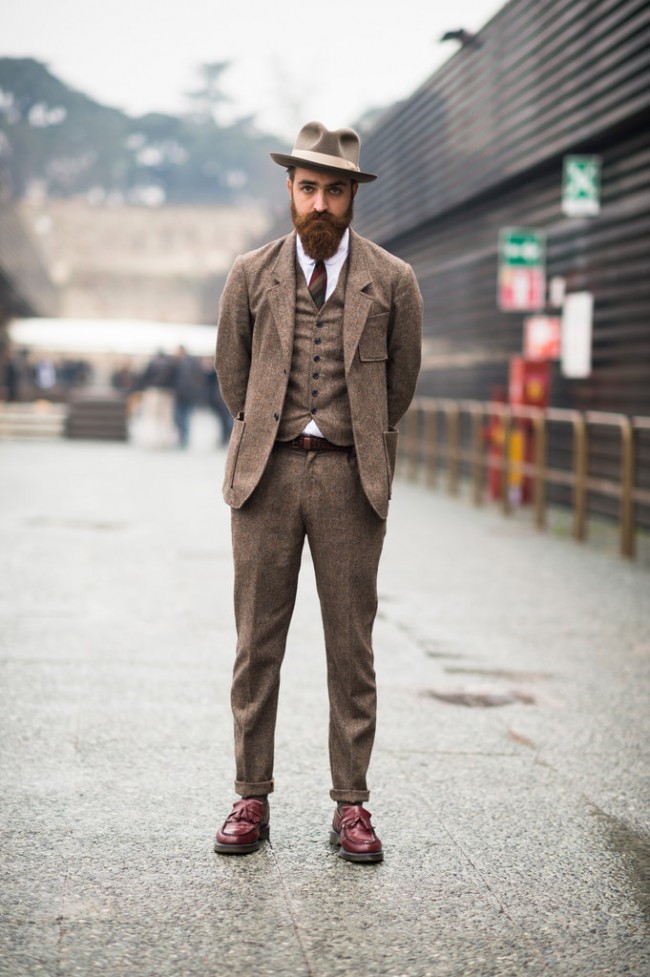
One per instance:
(480, 146)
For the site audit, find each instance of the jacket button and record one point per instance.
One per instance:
(313, 410)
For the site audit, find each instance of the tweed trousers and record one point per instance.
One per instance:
(317, 496)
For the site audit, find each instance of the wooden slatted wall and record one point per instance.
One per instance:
(479, 147)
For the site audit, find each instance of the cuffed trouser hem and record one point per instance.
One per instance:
(253, 790)
(350, 795)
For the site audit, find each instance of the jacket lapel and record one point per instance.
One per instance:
(357, 302)
(282, 293)
(282, 296)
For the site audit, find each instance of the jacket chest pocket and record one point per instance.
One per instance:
(373, 344)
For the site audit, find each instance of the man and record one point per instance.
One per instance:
(216, 402)
(188, 390)
(318, 353)
(157, 383)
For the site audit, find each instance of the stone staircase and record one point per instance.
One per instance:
(97, 415)
(40, 419)
(93, 415)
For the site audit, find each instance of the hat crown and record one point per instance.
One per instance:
(315, 138)
(318, 148)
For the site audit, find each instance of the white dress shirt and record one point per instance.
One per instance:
(333, 267)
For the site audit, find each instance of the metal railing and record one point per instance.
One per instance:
(510, 446)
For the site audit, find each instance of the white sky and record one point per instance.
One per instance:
(289, 62)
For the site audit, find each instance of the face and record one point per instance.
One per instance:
(321, 208)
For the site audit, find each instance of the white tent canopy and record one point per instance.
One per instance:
(126, 337)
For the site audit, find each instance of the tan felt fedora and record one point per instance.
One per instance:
(316, 148)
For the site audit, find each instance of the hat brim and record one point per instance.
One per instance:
(354, 175)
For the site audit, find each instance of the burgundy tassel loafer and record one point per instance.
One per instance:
(353, 832)
(244, 828)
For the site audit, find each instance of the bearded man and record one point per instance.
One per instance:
(318, 353)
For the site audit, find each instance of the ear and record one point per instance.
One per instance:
(355, 187)
(289, 185)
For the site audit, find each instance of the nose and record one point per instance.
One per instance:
(320, 203)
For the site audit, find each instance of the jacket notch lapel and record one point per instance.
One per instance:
(281, 294)
(357, 301)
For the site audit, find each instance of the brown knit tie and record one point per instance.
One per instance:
(318, 283)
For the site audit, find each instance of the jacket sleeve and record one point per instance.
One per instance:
(234, 339)
(404, 345)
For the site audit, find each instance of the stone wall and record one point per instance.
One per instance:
(115, 261)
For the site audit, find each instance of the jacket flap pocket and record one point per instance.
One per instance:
(373, 340)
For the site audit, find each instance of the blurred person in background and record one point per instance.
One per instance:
(318, 353)
(188, 385)
(9, 376)
(216, 402)
(45, 373)
(157, 385)
(123, 378)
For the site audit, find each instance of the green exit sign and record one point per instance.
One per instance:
(522, 269)
(521, 247)
(581, 186)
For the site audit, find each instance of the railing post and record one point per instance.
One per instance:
(627, 488)
(412, 443)
(539, 478)
(431, 444)
(580, 471)
(505, 463)
(477, 454)
(452, 448)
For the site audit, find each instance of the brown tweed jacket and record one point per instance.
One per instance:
(382, 340)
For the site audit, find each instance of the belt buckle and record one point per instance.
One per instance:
(306, 442)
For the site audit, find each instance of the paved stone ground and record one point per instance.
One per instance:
(516, 833)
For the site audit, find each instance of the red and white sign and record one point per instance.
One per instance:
(542, 337)
(521, 289)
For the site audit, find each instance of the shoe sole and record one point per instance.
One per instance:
(225, 849)
(369, 856)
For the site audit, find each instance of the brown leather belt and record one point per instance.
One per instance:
(309, 442)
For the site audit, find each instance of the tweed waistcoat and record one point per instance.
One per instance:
(317, 389)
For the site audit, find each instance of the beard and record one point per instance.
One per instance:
(321, 233)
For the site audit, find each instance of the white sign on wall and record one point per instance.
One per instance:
(577, 316)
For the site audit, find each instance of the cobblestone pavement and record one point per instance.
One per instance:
(510, 773)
